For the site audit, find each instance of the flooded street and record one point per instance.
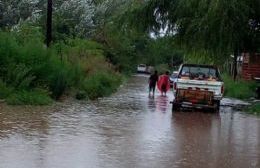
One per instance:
(127, 130)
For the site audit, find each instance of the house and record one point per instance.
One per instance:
(251, 66)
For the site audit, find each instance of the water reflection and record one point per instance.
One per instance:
(159, 103)
(162, 103)
(151, 104)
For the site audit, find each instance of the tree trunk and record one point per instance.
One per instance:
(49, 23)
(235, 66)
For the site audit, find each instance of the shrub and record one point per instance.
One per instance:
(34, 97)
(19, 76)
(58, 83)
(238, 89)
(80, 95)
(8, 48)
(254, 109)
(101, 84)
(162, 68)
(26, 64)
(4, 90)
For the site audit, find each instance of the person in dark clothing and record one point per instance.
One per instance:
(152, 82)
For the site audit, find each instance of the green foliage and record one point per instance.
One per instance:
(101, 84)
(162, 68)
(29, 65)
(34, 97)
(58, 83)
(13, 11)
(128, 47)
(27, 32)
(238, 89)
(203, 57)
(254, 108)
(19, 76)
(8, 48)
(5, 91)
(81, 95)
(162, 51)
(221, 27)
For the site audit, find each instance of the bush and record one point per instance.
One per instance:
(162, 68)
(4, 90)
(101, 84)
(254, 109)
(34, 97)
(26, 64)
(80, 95)
(19, 76)
(238, 89)
(58, 83)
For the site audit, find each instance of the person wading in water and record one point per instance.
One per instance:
(152, 82)
(164, 83)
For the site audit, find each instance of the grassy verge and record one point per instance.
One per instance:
(4, 90)
(31, 74)
(239, 89)
(34, 97)
(254, 109)
(101, 84)
(24, 97)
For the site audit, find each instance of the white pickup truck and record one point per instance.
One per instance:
(198, 86)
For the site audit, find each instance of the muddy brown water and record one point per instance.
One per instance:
(127, 130)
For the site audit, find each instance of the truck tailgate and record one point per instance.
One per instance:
(213, 86)
(195, 96)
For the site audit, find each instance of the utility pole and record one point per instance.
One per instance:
(49, 23)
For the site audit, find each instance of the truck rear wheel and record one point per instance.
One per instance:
(175, 107)
(217, 105)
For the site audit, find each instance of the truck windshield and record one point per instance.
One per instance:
(197, 72)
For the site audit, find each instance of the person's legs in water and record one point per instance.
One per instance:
(150, 89)
(153, 88)
(163, 89)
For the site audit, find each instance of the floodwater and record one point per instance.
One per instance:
(127, 130)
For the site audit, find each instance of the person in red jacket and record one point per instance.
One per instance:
(164, 83)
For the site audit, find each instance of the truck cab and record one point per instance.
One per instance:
(198, 86)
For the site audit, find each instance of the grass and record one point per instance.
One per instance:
(254, 109)
(4, 90)
(27, 67)
(34, 97)
(239, 89)
(101, 84)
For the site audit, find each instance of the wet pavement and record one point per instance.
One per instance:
(127, 130)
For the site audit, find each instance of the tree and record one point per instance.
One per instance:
(49, 23)
(220, 27)
(76, 16)
(12, 12)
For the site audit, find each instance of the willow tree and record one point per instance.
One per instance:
(220, 27)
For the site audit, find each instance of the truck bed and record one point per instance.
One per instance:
(212, 86)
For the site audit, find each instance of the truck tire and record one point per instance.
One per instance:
(217, 105)
(175, 107)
